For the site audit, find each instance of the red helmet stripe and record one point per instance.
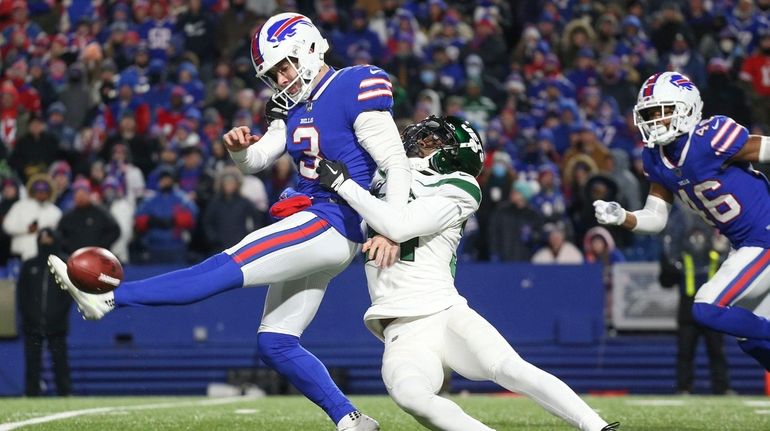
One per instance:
(650, 84)
(256, 53)
(285, 25)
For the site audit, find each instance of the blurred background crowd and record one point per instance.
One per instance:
(112, 112)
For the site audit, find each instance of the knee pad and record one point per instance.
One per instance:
(512, 366)
(273, 347)
(413, 396)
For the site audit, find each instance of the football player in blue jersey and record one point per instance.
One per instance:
(316, 112)
(707, 163)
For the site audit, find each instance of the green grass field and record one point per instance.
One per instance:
(296, 413)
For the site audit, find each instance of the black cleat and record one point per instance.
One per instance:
(612, 427)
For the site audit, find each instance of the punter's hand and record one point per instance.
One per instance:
(610, 213)
(381, 250)
(239, 138)
(331, 174)
(274, 112)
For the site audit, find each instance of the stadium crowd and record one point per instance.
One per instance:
(112, 112)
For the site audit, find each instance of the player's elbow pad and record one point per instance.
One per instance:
(653, 217)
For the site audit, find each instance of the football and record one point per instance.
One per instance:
(94, 270)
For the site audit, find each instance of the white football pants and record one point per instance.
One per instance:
(417, 349)
(296, 257)
(743, 280)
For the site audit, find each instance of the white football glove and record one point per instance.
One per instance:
(609, 212)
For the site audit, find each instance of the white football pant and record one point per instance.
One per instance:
(743, 280)
(417, 349)
(297, 257)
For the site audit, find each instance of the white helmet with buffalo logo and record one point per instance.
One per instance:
(289, 36)
(669, 105)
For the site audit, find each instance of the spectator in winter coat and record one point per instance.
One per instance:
(122, 210)
(35, 151)
(61, 174)
(229, 216)
(514, 229)
(199, 29)
(599, 247)
(44, 316)
(87, 224)
(194, 180)
(164, 222)
(557, 250)
(27, 216)
(9, 195)
(12, 114)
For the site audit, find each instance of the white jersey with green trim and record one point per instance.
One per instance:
(421, 282)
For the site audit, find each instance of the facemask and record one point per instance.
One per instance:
(428, 77)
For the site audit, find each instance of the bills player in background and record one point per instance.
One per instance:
(707, 163)
(416, 310)
(318, 113)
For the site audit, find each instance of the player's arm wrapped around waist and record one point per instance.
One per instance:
(423, 216)
(264, 152)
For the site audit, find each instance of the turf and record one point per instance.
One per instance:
(296, 413)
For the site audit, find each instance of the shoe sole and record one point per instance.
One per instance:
(73, 291)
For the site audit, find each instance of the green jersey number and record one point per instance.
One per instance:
(407, 249)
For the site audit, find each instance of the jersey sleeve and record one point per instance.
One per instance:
(649, 167)
(724, 137)
(370, 90)
(462, 189)
(422, 216)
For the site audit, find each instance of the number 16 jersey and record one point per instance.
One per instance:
(730, 196)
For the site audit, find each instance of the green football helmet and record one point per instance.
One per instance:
(457, 144)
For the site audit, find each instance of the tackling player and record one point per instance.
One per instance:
(416, 310)
(340, 114)
(707, 163)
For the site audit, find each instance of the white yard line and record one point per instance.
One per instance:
(99, 410)
(246, 411)
(662, 402)
(757, 403)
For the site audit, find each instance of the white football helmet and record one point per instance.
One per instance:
(289, 35)
(676, 98)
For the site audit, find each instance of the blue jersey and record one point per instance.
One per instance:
(322, 128)
(729, 196)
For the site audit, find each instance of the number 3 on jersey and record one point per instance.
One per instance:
(309, 137)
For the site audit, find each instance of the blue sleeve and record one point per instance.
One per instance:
(650, 169)
(722, 135)
(368, 89)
